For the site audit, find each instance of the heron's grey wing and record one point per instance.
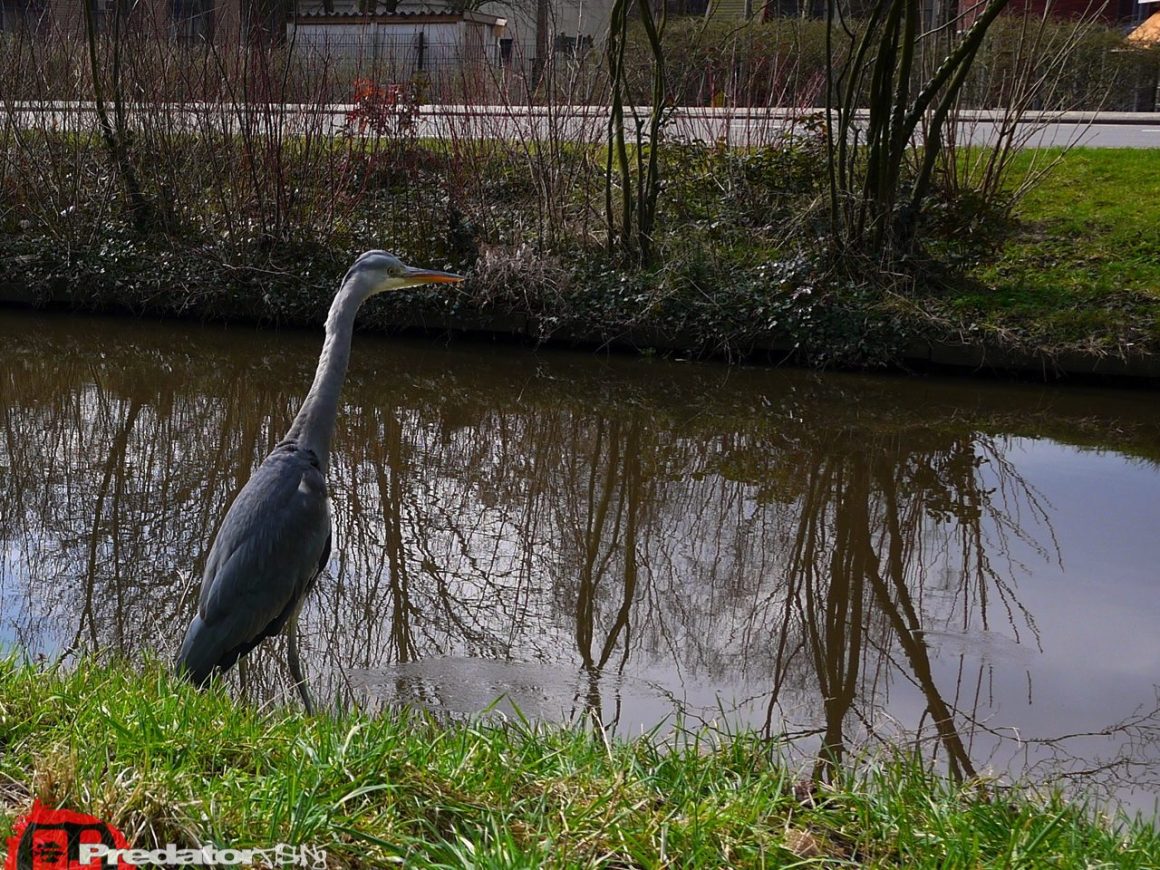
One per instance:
(269, 548)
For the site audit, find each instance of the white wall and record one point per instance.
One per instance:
(573, 18)
(442, 42)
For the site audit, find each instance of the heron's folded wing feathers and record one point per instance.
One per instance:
(269, 546)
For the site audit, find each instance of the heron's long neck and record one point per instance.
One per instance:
(314, 426)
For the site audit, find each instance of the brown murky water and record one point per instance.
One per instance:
(832, 559)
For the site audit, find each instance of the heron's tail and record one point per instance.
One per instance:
(199, 655)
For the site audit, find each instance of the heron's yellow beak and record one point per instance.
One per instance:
(430, 276)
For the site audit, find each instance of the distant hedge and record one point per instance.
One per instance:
(782, 62)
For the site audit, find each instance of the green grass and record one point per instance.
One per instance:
(165, 763)
(1083, 268)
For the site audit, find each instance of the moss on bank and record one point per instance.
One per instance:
(165, 763)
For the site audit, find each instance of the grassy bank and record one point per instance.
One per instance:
(1081, 266)
(165, 763)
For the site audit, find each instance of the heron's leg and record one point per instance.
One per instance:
(296, 664)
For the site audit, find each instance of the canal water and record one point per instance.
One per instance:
(838, 561)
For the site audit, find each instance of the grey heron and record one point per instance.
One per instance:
(275, 538)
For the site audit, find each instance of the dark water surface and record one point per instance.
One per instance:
(842, 559)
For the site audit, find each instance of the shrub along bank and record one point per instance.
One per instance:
(743, 262)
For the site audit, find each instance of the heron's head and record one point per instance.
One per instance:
(380, 272)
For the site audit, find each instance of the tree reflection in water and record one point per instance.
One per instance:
(789, 540)
(890, 538)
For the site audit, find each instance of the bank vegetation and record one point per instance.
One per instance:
(865, 230)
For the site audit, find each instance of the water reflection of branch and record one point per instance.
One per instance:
(389, 475)
(1133, 763)
(612, 474)
(633, 503)
(908, 630)
(115, 466)
(857, 574)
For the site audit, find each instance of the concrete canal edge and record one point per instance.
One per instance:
(981, 359)
(1138, 367)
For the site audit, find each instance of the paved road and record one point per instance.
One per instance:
(588, 123)
(1121, 136)
(1117, 135)
(1107, 130)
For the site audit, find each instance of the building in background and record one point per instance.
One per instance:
(450, 54)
